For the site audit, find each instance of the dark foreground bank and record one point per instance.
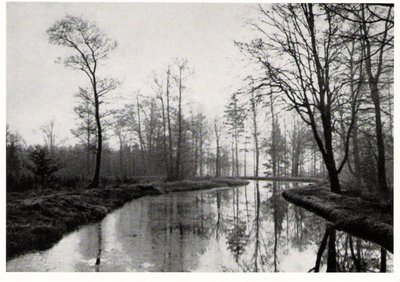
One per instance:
(38, 221)
(359, 217)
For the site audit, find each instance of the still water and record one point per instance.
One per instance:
(249, 228)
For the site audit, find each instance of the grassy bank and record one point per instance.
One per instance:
(282, 178)
(198, 184)
(362, 218)
(37, 220)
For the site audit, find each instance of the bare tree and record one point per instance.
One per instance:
(203, 131)
(374, 79)
(49, 136)
(140, 134)
(372, 26)
(86, 129)
(254, 101)
(121, 131)
(182, 68)
(217, 135)
(90, 46)
(159, 90)
(307, 74)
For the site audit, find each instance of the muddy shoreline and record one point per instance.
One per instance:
(39, 221)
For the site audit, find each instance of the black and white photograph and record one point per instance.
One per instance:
(199, 137)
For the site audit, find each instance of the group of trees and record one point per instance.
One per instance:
(269, 142)
(323, 108)
(335, 70)
(158, 134)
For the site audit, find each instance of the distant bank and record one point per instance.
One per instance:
(283, 178)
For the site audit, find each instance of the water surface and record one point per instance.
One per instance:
(249, 228)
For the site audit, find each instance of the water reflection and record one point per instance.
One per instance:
(249, 228)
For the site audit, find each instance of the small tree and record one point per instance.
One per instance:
(43, 165)
(13, 157)
(235, 116)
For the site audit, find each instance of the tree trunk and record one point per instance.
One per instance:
(144, 162)
(245, 159)
(375, 97)
(333, 174)
(121, 165)
(170, 168)
(201, 154)
(88, 154)
(96, 177)
(273, 149)
(217, 153)
(236, 154)
(380, 143)
(217, 162)
(255, 134)
(356, 153)
(178, 149)
(166, 160)
(233, 156)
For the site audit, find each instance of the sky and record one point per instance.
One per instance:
(150, 36)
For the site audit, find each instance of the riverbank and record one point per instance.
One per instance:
(200, 184)
(37, 220)
(363, 218)
(283, 178)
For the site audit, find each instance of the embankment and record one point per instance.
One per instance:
(359, 217)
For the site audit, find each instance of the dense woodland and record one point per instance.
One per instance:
(323, 109)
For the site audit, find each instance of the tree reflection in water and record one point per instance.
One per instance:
(237, 229)
(241, 229)
(99, 247)
(345, 256)
(237, 238)
(277, 228)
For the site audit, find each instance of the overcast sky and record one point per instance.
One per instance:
(150, 36)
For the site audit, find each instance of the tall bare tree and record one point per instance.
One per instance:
(254, 102)
(217, 136)
(371, 26)
(180, 77)
(374, 59)
(308, 73)
(90, 46)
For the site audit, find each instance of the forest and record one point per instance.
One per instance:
(324, 108)
(315, 104)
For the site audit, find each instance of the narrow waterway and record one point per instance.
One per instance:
(249, 228)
